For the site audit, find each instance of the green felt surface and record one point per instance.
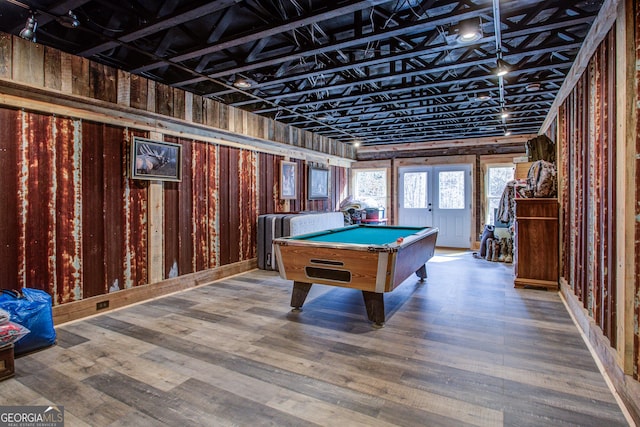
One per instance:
(362, 235)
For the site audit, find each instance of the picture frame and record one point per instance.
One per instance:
(318, 183)
(288, 180)
(155, 160)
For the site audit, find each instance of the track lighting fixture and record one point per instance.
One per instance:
(70, 20)
(504, 113)
(469, 30)
(503, 68)
(507, 132)
(29, 30)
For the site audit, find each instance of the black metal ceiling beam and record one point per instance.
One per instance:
(381, 35)
(343, 44)
(329, 13)
(165, 23)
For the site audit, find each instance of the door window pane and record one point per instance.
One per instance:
(451, 190)
(415, 190)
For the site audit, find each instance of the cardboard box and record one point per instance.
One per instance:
(522, 170)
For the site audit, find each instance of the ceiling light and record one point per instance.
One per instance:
(242, 83)
(532, 87)
(504, 113)
(469, 31)
(503, 68)
(483, 97)
(29, 30)
(356, 143)
(507, 132)
(325, 116)
(70, 20)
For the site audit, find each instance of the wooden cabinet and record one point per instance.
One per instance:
(536, 249)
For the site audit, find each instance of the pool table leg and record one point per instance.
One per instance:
(422, 272)
(374, 303)
(299, 294)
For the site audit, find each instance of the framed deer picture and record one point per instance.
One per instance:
(155, 160)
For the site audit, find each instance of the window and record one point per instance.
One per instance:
(497, 178)
(371, 184)
(415, 190)
(451, 190)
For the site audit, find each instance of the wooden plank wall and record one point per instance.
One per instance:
(587, 133)
(636, 208)
(71, 221)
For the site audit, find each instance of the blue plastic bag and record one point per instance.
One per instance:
(30, 308)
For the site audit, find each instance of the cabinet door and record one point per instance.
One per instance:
(536, 249)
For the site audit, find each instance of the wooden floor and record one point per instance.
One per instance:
(464, 348)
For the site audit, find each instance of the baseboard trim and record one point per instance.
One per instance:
(89, 306)
(624, 387)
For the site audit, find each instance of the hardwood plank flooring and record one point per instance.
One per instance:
(462, 349)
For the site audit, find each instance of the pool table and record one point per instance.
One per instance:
(372, 258)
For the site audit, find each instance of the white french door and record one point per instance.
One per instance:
(437, 196)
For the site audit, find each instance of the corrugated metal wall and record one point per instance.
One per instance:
(73, 224)
(588, 146)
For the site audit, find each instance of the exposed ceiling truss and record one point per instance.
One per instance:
(376, 72)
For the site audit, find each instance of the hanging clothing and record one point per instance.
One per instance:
(507, 207)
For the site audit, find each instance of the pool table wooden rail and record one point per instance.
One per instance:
(373, 269)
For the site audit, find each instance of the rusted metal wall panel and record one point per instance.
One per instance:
(298, 204)
(224, 200)
(215, 182)
(10, 129)
(268, 184)
(93, 274)
(34, 198)
(588, 147)
(135, 199)
(636, 279)
(178, 217)
(199, 178)
(113, 149)
(185, 255)
(247, 203)
(237, 207)
(171, 229)
(75, 224)
(340, 185)
(231, 213)
(114, 214)
(172, 214)
(68, 209)
(610, 195)
(565, 172)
